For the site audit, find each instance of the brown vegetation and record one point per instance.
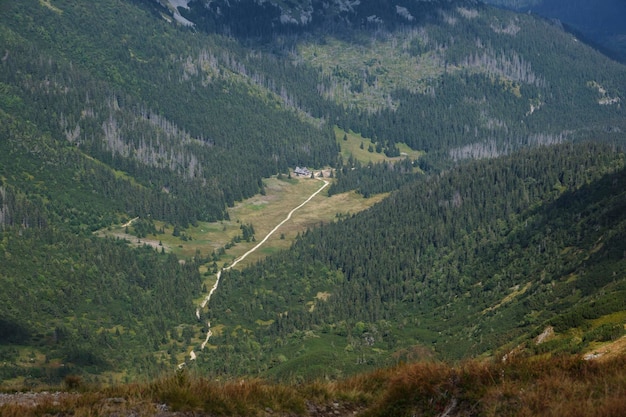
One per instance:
(537, 386)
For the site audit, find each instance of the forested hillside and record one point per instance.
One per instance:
(177, 114)
(115, 110)
(600, 23)
(482, 257)
(471, 84)
(99, 126)
(453, 78)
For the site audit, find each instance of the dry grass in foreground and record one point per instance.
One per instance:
(560, 386)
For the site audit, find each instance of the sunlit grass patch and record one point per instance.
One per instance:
(357, 147)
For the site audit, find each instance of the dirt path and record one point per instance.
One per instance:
(128, 223)
(206, 300)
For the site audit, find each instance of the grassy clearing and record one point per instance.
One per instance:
(264, 212)
(364, 74)
(356, 146)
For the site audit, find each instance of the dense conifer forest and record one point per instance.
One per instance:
(481, 256)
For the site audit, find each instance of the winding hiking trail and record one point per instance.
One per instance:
(192, 354)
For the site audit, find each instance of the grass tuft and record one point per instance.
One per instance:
(521, 386)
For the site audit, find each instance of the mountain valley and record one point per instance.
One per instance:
(475, 207)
